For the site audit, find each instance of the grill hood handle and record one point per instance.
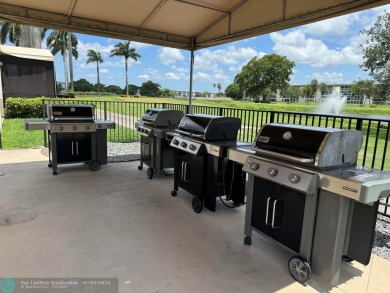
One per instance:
(284, 156)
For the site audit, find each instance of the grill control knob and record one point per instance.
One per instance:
(87, 127)
(146, 131)
(74, 127)
(175, 142)
(192, 147)
(253, 165)
(272, 171)
(61, 128)
(293, 178)
(183, 144)
(139, 129)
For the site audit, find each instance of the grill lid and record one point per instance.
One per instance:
(70, 113)
(158, 117)
(318, 146)
(210, 127)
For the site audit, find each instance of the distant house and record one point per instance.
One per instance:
(26, 72)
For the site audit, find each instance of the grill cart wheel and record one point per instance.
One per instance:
(94, 166)
(55, 173)
(346, 258)
(248, 240)
(173, 192)
(140, 168)
(299, 269)
(50, 165)
(197, 205)
(150, 173)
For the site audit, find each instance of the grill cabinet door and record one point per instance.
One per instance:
(277, 212)
(73, 148)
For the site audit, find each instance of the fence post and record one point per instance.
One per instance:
(359, 124)
(105, 110)
(187, 109)
(220, 111)
(272, 117)
(44, 132)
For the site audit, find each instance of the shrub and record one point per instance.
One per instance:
(23, 108)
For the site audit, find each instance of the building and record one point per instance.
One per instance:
(26, 72)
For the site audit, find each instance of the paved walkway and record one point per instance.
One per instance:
(120, 119)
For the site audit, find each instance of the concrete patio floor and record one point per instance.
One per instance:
(116, 223)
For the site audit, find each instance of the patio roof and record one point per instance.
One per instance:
(182, 24)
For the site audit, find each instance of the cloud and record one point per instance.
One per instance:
(314, 52)
(144, 76)
(172, 75)
(337, 26)
(169, 56)
(208, 60)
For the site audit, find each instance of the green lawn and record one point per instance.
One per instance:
(14, 136)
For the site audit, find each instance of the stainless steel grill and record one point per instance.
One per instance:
(306, 193)
(155, 150)
(201, 167)
(74, 135)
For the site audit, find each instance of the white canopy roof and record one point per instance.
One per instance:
(183, 24)
(29, 53)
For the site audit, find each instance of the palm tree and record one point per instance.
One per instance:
(123, 49)
(94, 56)
(21, 35)
(219, 87)
(56, 42)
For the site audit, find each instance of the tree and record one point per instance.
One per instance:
(233, 91)
(219, 87)
(165, 92)
(150, 89)
(123, 49)
(290, 93)
(307, 92)
(114, 89)
(56, 42)
(314, 89)
(132, 89)
(83, 85)
(21, 35)
(95, 56)
(262, 76)
(364, 90)
(322, 87)
(376, 51)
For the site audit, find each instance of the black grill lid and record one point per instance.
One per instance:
(319, 146)
(159, 117)
(73, 112)
(210, 127)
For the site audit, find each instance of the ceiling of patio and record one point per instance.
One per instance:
(182, 24)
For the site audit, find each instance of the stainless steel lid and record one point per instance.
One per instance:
(158, 117)
(317, 146)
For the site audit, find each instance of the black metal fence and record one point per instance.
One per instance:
(375, 129)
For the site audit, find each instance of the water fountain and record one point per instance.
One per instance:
(333, 104)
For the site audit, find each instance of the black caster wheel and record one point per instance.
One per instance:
(49, 165)
(55, 173)
(140, 168)
(237, 203)
(197, 205)
(173, 192)
(346, 258)
(150, 173)
(299, 269)
(248, 240)
(94, 166)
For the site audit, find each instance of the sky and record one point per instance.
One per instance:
(327, 51)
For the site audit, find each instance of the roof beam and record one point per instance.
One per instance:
(201, 6)
(155, 10)
(72, 5)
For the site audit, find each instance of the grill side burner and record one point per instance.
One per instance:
(155, 150)
(201, 166)
(305, 193)
(74, 135)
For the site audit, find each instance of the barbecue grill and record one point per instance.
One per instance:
(306, 193)
(74, 135)
(201, 166)
(155, 150)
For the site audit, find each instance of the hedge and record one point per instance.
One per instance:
(23, 108)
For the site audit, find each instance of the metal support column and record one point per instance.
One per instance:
(191, 75)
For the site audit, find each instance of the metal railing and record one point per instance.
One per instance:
(375, 129)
